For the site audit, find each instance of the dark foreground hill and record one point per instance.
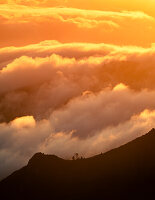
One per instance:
(127, 172)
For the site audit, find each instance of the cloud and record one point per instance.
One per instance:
(24, 21)
(70, 50)
(91, 113)
(19, 139)
(46, 48)
(85, 97)
(56, 73)
(35, 2)
(82, 18)
(26, 121)
(19, 143)
(103, 140)
(15, 12)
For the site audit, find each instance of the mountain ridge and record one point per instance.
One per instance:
(126, 172)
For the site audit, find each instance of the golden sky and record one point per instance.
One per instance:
(75, 76)
(116, 22)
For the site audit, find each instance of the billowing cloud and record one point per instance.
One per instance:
(62, 98)
(91, 113)
(19, 143)
(70, 50)
(18, 140)
(56, 73)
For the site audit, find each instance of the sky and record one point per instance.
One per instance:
(75, 76)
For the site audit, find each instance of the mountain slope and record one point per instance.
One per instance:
(127, 172)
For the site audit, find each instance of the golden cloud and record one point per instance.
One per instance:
(25, 21)
(88, 97)
(51, 73)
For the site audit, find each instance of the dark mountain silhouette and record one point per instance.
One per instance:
(127, 172)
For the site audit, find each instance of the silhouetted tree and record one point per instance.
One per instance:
(75, 157)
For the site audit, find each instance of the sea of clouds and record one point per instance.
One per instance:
(62, 98)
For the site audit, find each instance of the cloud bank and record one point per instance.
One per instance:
(55, 73)
(62, 98)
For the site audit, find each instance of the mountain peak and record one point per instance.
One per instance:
(127, 172)
(41, 158)
(152, 131)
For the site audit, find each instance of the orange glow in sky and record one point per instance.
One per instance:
(115, 22)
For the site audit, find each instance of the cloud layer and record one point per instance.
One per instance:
(62, 98)
(56, 73)
(22, 137)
